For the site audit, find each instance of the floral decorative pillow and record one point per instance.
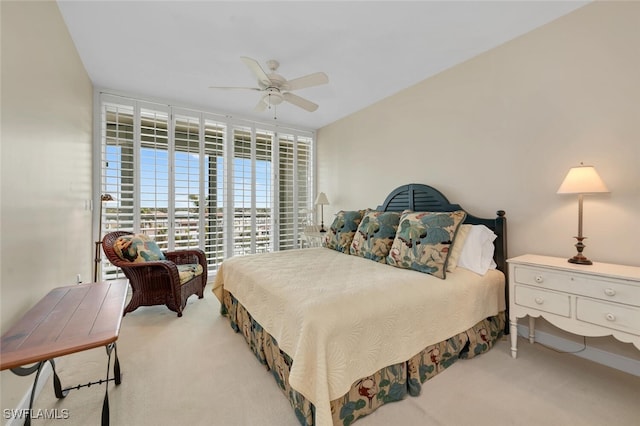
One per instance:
(423, 241)
(375, 235)
(137, 248)
(341, 232)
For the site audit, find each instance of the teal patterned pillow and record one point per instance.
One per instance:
(137, 248)
(342, 230)
(375, 235)
(423, 241)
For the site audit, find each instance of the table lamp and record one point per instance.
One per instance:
(581, 180)
(321, 200)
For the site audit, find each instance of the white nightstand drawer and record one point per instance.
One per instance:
(614, 291)
(614, 316)
(543, 300)
(602, 299)
(543, 278)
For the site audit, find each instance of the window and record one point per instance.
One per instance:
(214, 172)
(294, 187)
(193, 179)
(117, 166)
(153, 174)
(186, 182)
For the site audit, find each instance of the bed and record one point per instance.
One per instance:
(344, 334)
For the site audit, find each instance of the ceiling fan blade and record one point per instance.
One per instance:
(234, 88)
(261, 106)
(257, 70)
(300, 102)
(314, 79)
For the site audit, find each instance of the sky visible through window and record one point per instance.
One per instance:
(154, 173)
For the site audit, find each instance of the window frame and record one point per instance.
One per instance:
(230, 124)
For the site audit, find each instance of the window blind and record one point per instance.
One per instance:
(215, 189)
(153, 177)
(194, 179)
(117, 132)
(186, 177)
(263, 192)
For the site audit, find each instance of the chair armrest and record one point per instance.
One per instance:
(169, 266)
(181, 257)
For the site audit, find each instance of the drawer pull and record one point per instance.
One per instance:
(610, 317)
(609, 292)
(539, 279)
(539, 300)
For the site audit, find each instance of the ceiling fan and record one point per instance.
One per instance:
(276, 89)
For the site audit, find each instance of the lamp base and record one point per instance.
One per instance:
(579, 258)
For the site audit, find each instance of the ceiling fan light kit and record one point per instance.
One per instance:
(273, 96)
(277, 89)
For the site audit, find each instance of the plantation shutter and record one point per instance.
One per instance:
(252, 194)
(187, 198)
(295, 189)
(153, 175)
(242, 194)
(263, 192)
(287, 199)
(117, 171)
(192, 179)
(304, 183)
(215, 189)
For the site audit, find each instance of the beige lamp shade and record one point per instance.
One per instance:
(582, 180)
(321, 199)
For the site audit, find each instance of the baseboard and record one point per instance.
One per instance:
(610, 359)
(23, 406)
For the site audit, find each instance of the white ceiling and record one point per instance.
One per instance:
(172, 51)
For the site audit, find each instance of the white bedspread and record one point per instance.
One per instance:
(342, 317)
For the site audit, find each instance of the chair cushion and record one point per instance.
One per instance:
(188, 271)
(137, 248)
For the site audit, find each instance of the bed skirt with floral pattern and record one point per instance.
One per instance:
(389, 384)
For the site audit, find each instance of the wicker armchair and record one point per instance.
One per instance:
(158, 282)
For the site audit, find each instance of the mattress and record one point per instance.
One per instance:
(342, 317)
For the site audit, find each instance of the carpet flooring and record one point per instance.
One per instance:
(195, 370)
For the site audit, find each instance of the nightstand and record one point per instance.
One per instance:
(602, 299)
(313, 238)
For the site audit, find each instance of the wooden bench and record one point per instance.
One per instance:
(67, 320)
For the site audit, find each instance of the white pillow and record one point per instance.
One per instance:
(477, 252)
(456, 247)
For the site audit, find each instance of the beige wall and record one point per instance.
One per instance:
(501, 131)
(45, 230)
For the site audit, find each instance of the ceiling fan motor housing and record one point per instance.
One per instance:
(275, 80)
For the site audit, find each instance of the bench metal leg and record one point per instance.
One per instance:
(61, 393)
(37, 368)
(117, 378)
